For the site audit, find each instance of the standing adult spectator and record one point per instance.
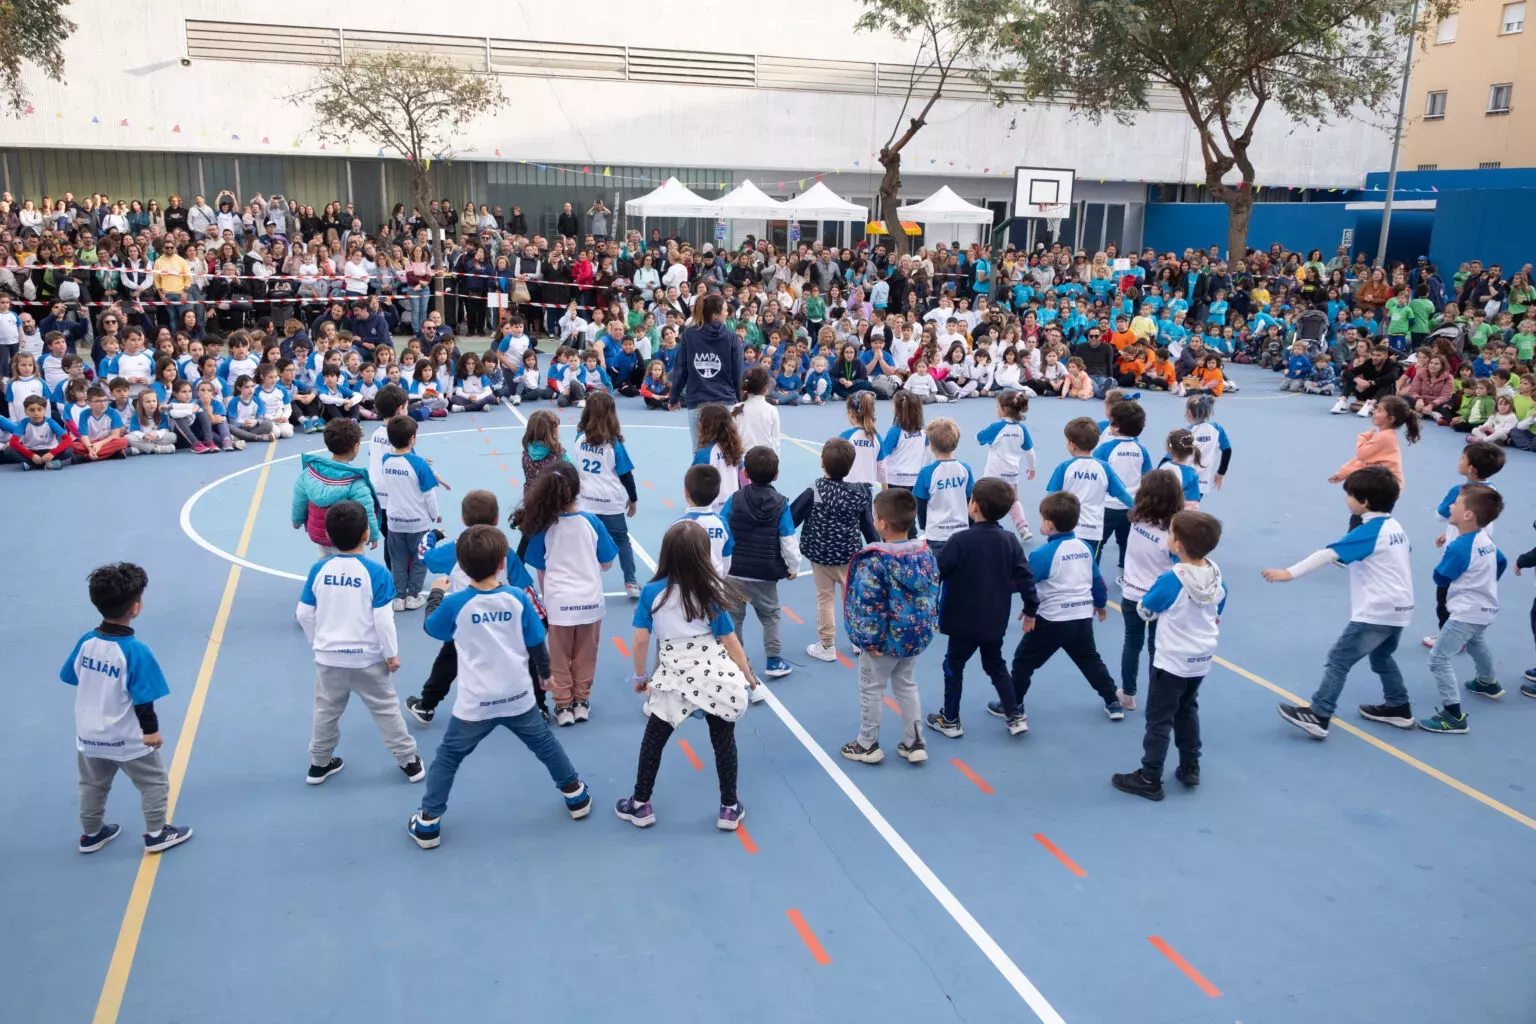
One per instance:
(567, 224)
(709, 363)
(517, 224)
(599, 220)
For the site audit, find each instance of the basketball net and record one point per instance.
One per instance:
(1053, 215)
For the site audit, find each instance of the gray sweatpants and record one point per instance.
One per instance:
(375, 688)
(763, 596)
(875, 670)
(147, 773)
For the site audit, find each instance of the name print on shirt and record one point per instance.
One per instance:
(105, 668)
(341, 581)
(478, 618)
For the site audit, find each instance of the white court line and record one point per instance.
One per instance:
(935, 886)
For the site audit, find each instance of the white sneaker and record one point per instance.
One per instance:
(632, 591)
(1430, 640)
(517, 399)
(398, 604)
(239, 445)
(1367, 409)
(821, 653)
(1025, 533)
(581, 404)
(759, 694)
(1127, 700)
(415, 601)
(1120, 581)
(941, 398)
(565, 716)
(1342, 405)
(165, 449)
(582, 710)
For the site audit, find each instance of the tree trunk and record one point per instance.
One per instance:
(890, 199)
(1239, 210)
(421, 198)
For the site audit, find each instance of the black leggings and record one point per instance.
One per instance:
(722, 736)
(445, 668)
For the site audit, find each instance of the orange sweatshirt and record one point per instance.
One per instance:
(1208, 379)
(1121, 339)
(1162, 370)
(1376, 448)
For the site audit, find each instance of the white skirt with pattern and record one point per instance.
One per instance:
(696, 674)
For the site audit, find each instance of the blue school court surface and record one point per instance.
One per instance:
(1380, 876)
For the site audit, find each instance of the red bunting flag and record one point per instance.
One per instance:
(176, 130)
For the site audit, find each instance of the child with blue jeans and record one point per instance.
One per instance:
(502, 657)
(1469, 572)
(409, 496)
(1381, 604)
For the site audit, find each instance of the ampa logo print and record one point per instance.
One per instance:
(706, 364)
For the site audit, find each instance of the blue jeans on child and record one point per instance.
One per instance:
(461, 739)
(410, 572)
(1455, 635)
(1360, 640)
(618, 529)
(1139, 634)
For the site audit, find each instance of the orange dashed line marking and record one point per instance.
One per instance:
(746, 839)
(966, 770)
(668, 502)
(503, 467)
(1071, 864)
(648, 485)
(808, 937)
(693, 758)
(892, 705)
(844, 659)
(621, 645)
(1183, 965)
(797, 620)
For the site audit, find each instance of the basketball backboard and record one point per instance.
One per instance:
(1036, 187)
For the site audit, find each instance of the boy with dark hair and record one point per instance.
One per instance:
(1468, 575)
(836, 516)
(943, 487)
(117, 681)
(410, 503)
(1128, 458)
(763, 551)
(1089, 479)
(346, 614)
(1187, 602)
(325, 481)
(497, 630)
(1071, 593)
(982, 567)
(40, 441)
(701, 486)
(387, 404)
(1380, 598)
(1479, 460)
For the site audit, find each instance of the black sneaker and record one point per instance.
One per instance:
(421, 714)
(944, 726)
(1137, 784)
(1188, 774)
(1400, 715)
(414, 772)
(168, 836)
(318, 773)
(1307, 720)
(995, 709)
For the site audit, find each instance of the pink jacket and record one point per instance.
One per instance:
(1434, 390)
(1376, 448)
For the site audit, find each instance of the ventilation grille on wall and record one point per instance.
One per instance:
(227, 40)
(1490, 165)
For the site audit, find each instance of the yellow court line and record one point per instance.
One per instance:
(116, 983)
(1382, 745)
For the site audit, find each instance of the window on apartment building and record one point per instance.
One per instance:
(1498, 98)
(1434, 106)
(1513, 20)
(1428, 167)
(1490, 165)
(1446, 32)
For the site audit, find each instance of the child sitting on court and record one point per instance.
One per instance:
(479, 508)
(1380, 598)
(982, 567)
(1071, 593)
(409, 497)
(1088, 479)
(496, 630)
(1187, 602)
(835, 516)
(324, 481)
(684, 609)
(764, 550)
(117, 681)
(943, 487)
(892, 597)
(346, 614)
(40, 441)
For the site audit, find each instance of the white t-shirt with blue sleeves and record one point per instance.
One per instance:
(1130, 460)
(1188, 478)
(1092, 481)
(1380, 571)
(492, 631)
(1210, 442)
(111, 674)
(410, 490)
(94, 428)
(1444, 509)
(601, 466)
(730, 476)
(662, 613)
(1146, 558)
(718, 526)
(901, 456)
(1008, 444)
(1470, 570)
(571, 555)
(442, 559)
(1067, 579)
(866, 456)
(346, 614)
(946, 486)
(1186, 629)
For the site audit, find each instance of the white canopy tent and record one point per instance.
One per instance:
(748, 202)
(672, 199)
(945, 207)
(820, 203)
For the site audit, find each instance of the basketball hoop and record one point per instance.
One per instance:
(1053, 214)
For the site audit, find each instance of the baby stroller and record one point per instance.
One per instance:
(1312, 328)
(1456, 334)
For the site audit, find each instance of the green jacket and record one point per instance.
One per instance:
(324, 482)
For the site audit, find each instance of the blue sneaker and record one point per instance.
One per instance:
(1441, 721)
(995, 709)
(90, 844)
(427, 833)
(1115, 710)
(637, 814)
(776, 668)
(578, 801)
(1528, 689)
(168, 836)
(1489, 688)
(730, 817)
(1530, 674)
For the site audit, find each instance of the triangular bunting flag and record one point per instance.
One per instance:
(381, 151)
(175, 129)
(427, 166)
(59, 116)
(586, 169)
(29, 108)
(265, 141)
(295, 143)
(542, 167)
(123, 123)
(498, 152)
(800, 183)
(986, 170)
(607, 172)
(95, 119)
(233, 137)
(322, 145)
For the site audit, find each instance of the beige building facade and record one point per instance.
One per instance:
(1468, 107)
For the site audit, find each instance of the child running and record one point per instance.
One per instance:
(345, 610)
(683, 607)
(117, 681)
(1183, 463)
(1380, 599)
(1008, 443)
(502, 658)
(1158, 500)
(720, 446)
(608, 478)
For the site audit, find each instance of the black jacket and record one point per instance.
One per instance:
(756, 517)
(980, 569)
(567, 225)
(1098, 360)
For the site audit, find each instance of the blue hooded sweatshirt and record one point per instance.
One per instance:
(708, 367)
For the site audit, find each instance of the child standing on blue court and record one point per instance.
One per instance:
(346, 614)
(904, 449)
(117, 681)
(608, 478)
(1158, 500)
(410, 502)
(889, 608)
(502, 659)
(1380, 599)
(720, 446)
(1479, 461)
(1183, 463)
(1088, 479)
(1008, 444)
(1121, 450)
(700, 668)
(1210, 440)
(701, 485)
(836, 520)
(1468, 574)
(570, 549)
(982, 567)
(861, 434)
(326, 480)
(943, 487)
(1071, 594)
(1188, 601)
(764, 550)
